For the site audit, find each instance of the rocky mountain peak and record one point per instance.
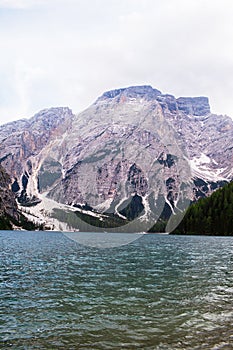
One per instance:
(133, 145)
(144, 91)
(46, 119)
(198, 106)
(50, 118)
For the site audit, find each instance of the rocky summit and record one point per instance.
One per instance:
(134, 155)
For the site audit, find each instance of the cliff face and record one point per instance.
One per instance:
(132, 145)
(25, 145)
(8, 205)
(122, 147)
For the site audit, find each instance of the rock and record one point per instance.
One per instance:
(132, 142)
(8, 206)
(145, 91)
(198, 106)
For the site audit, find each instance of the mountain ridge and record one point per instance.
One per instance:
(198, 106)
(132, 141)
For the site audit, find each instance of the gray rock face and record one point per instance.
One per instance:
(197, 106)
(24, 142)
(133, 142)
(8, 205)
(146, 92)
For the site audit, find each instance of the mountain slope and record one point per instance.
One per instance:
(8, 205)
(135, 153)
(26, 143)
(10, 216)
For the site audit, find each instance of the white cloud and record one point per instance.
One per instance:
(69, 52)
(19, 4)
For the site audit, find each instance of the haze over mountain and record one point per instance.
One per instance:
(131, 154)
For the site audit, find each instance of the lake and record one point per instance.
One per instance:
(158, 292)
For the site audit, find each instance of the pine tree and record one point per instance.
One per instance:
(210, 216)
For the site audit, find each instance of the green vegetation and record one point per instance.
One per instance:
(50, 172)
(159, 226)
(210, 216)
(25, 224)
(79, 220)
(47, 179)
(106, 221)
(133, 209)
(7, 222)
(25, 201)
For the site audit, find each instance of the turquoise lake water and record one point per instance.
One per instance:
(158, 292)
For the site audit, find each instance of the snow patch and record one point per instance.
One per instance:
(147, 209)
(203, 159)
(104, 205)
(118, 205)
(200, 168)
(41, 213)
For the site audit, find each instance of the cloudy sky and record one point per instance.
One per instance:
(68, 52)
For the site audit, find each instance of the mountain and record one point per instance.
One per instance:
(210, 216)
(8, 205)
(24, 143)
(133, 156)
(10, 216)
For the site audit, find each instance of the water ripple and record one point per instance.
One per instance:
(159, 292)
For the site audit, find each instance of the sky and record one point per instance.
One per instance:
(68, 52)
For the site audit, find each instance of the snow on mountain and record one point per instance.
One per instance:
(131, 154)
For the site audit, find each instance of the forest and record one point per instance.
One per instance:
(210, 216)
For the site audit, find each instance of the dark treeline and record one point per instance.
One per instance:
(210, 216)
